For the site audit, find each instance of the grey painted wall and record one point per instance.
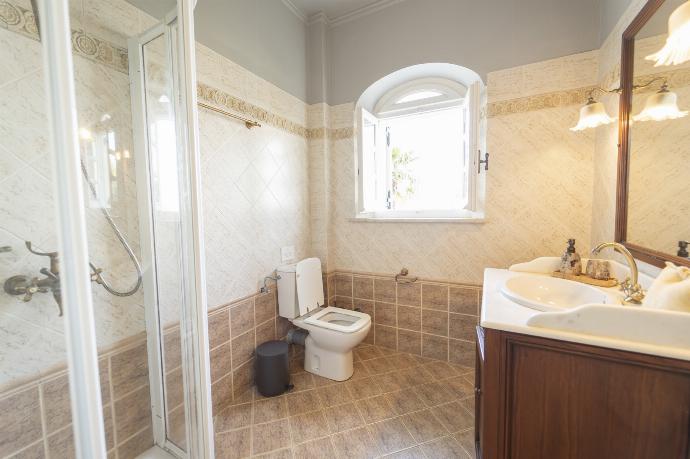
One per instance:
(482, 35)
(263, 36)
(611, 11)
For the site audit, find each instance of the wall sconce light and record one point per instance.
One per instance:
(593, 114)
(677, 47)
(663, 105)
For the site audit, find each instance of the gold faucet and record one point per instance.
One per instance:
(634, 293)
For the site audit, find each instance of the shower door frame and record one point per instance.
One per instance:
(193, 320)
(80, 332)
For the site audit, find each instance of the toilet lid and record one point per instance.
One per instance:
(309, 285)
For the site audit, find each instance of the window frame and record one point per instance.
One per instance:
(453, 93)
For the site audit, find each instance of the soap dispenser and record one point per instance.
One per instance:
(570, 261)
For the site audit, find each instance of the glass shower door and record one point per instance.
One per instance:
(167, 234)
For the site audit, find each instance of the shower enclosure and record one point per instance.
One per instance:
(103, 340)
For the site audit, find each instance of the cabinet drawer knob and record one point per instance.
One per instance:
(477, 391)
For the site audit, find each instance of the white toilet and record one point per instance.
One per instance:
(333, 332)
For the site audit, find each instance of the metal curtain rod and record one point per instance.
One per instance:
(247, 122)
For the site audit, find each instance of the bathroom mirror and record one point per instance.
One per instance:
(653, 201)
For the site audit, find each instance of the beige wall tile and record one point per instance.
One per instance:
(265, 306)
(20, 423)
(434, 347)
(435, 296)
(462, 352)
(344, 302)
(386, 336)
(219, 328)
(243, 348)
(221, 361)
(61, 443)
(242, 379)
(104, 376)
(363, 287)
(409, 318)
(366, 306)
(221, 393)
(172, 347)
(174, 388)
(136, 445)
(242, 317)
(464, 300)
(177, 425)
(130, 369)
(410, 294)
(462, 326)
(266, 332)
(343, 284)
(56, 403)
(410, 342)
(435, 322)
(133, 413)
(384, 290)
(35, 451)
(385, 314)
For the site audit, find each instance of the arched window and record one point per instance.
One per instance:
(418, 149)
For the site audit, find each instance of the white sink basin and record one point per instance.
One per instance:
(545, 293)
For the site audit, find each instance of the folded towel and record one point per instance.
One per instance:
(670, 290)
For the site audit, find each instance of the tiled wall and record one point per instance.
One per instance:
(36, 418)
(431, 319)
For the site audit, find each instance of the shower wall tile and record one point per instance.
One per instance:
(133, 413)
(20, 423)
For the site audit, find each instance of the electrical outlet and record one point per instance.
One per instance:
(287, 253)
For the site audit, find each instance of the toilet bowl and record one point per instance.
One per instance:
(333, 332)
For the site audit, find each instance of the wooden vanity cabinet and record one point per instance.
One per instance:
(544, 398)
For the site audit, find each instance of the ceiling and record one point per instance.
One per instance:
(333, 9)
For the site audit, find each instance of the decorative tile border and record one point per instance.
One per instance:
(565, 98)
(20, 20)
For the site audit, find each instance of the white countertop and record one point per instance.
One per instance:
(500, 313)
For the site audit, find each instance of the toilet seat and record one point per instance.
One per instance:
(339, 319)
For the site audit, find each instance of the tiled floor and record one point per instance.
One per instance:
(396, 405)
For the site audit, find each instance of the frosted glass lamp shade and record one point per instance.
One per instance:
(593, 114)
(660, 106)
(677, 47)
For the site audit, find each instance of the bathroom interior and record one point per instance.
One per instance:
(344, 228)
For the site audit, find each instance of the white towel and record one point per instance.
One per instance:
(670, 290)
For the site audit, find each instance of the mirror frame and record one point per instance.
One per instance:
(645, 254)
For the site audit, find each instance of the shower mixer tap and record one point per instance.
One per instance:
(26, 286)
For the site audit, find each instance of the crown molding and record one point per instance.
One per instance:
(318, 17)
(363, 11)
(296, 11)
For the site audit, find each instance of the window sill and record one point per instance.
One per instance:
(370, 219)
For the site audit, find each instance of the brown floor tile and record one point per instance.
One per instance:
(424, 426)
(270, 436)
(335, 394)
(303, 402)
(410, 453)
(343, 417)
(444, 448)
(360, 371)
(346, 447)
(454, 417)
(379, 365)
(416, 376)
(391, 382)
(442, 370)
(405, 401)
(459, 387)
(391, 435)
(285, 453)
(434, 394)
(270, 409)
(315, 449)
(367, 352)
(364, 387)
(466, 440)
(233, 444)
(308, 426)
(375, 409)
(302, 381)
(233, 417)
